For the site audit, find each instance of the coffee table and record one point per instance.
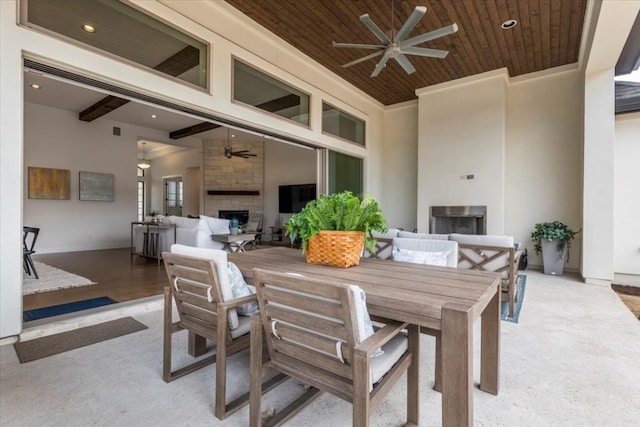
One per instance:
(234, 242)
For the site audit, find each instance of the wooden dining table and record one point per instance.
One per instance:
(447, 300)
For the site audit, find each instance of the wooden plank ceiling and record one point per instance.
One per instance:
(547, 35)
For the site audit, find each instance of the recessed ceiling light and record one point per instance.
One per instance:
(35, 86)
(233, 136)
(510, 23)
(89, 28)
(153, 116)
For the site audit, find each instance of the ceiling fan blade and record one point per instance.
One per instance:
(404, 63)
(382, 63)
(413, 19)
(423, 51)
(374, 29)
(364, 58)
(358, 46)
(440, 32)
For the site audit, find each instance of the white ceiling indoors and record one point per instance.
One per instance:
(73, 97)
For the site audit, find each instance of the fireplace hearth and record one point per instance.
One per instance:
(458, 219)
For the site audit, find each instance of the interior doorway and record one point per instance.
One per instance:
(173, 195)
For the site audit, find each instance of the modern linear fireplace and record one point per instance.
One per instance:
(241, 216)
(458, 219)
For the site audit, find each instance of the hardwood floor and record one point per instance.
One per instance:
(113, 271)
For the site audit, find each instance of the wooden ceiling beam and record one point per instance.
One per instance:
(175, 65)
(271, 106)
(192, 130)
(102, 107)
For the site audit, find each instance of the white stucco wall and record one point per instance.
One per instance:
(55, 138)
(626, 196)
(544, 156)
(462, 131)
(399, 168)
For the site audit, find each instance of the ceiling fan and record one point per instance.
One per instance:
(397, 46)
(229, 153)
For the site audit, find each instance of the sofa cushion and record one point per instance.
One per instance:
(390, 234)
(184, 222)
(411, 235)
(219, 259)
(216, 225)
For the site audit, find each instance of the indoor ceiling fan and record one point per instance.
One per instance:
(229, 153)
(397, 46)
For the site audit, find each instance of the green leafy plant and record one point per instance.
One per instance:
(550, 231)
(339, 212)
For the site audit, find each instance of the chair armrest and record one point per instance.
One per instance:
(380, 338)
(227, 305)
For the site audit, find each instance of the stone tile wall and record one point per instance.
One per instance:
(236, 173)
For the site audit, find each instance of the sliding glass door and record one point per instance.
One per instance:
(344, 173)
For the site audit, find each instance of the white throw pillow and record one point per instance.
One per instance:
(216, 225)
(364, 325)
(219, 258)
(420, 257)
(240, 288)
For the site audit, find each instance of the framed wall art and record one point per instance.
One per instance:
(96, 186)
(47, 183)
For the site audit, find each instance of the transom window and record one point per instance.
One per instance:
(116, 28)
(259, 90)
(337, 122)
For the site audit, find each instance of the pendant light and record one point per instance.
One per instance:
(143, 164)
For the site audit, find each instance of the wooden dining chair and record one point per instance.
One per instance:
(313, 332)
(207, 313)
(29, 237)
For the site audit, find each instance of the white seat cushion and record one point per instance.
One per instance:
(392, 351)
(219, 258)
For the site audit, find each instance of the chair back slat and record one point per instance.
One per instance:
(312, 359)
(195, 289)
(197, 312)
(308, 320)
(327, 307)
(305, 321)
(321, 343)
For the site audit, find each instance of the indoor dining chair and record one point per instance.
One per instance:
(29, 237)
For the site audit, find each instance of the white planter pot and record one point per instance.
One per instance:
(553, 259)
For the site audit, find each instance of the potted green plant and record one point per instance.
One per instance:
(553, 239)
(333, 229)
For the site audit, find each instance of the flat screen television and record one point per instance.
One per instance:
(292, 198)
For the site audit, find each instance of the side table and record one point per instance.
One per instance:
(234, 242)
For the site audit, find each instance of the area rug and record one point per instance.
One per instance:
(39, 348)
(51, 279)
(504, 310)
(70, 307)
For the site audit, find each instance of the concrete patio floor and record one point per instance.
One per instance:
(572, 360)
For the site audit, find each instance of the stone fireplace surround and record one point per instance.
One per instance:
(234, 175)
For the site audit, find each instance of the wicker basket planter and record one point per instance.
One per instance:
(335, 248)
